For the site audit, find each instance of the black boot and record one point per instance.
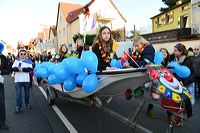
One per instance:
(4, 127)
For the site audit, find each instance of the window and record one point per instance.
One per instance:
(185, 7)
(168, 17)
(159, 21)
(184, 21)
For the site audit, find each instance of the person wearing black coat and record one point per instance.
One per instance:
(3, 71)
(103, 47)
(144, 51)
(180, 56)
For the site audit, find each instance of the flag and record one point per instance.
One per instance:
(93, 24)
(115, 45)
(85, 25)
(125, 57)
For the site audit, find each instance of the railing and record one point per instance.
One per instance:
(169, 35)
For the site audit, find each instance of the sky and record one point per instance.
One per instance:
(23, 19)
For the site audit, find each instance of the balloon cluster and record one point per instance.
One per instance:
(181, 71)
(71, 72)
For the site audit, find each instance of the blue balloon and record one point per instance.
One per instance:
(119, 64)
(173, 64)
(80, 78)
(70, 83)
(159, 57)
(52, 79)
(74, 65)
(90, 83)
(1, 47)
(36, 73)
(183, 71)
(44, 64)
(61, 72)
(113, 63)
(43, 72)
(51, 67)
(90, 61)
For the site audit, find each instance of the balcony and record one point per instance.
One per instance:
(169, 36)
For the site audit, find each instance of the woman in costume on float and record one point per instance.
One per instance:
(103, 47)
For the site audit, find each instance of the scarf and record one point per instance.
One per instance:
(26, 60)
(180, 60)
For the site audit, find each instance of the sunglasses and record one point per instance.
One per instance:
(22, 53)
(196, 49)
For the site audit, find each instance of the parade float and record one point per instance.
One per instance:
(79, 81)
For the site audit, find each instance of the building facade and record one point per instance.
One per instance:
(73, 19)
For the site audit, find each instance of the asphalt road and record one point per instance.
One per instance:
(42, 118)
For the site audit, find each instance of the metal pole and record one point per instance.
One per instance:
(134, 33)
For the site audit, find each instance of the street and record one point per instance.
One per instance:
(42, 118)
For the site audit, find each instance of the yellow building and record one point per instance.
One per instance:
(177, 17)
(175, 24)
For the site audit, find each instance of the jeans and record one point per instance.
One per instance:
(18, 88)
(2, 104)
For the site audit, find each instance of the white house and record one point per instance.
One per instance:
(73, 19)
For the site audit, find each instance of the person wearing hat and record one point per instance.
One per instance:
(22, 66)
(3, 71)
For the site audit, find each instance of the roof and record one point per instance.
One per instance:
(72, 11)
(68, 8)
(118, 10)
(174, 7)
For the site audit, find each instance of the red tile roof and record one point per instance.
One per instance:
(70, 11)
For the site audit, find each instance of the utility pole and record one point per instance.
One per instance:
(134, 32)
